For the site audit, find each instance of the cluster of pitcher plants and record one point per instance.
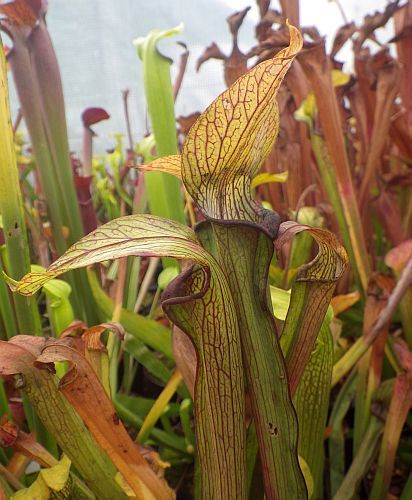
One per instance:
(223, 309)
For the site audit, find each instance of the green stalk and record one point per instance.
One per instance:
(132, 282)
(328, 176)
(164, 190)
(6, 309)
(11, 209)
(407, 490)
(311, 401)
(38, 83)
(29, 98)
(337, 438)
(4, 403)
(362, 461)
(252, 459)
(244, 251)
(219, 403)
(147, 358)
(169, 440)
(349, 359)
(363, 400)
(47, 74)
(185, 412)
(369, 367)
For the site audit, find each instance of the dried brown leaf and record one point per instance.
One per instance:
(263, 28)
(28, 446)
(20, 12)
(390, 216)
(388, 79)
(371, 22)
(211, 52)
(84, 391)
(317, 68)
(397, 258)
(235, 21)
(263, 6)
(8, 434)
(403, 40)
(343, 34)
(92, 336)
(290, 9)
(185, 122)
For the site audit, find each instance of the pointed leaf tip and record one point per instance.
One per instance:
(144, 235)
(228, 143)
(167, 164)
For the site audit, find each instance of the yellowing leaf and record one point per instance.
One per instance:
(144, 235)
(56, 477)
(307, 475)
(308, 109)
(398, 256)
(228, 143)
(280, 302)
(49, 482)
(341, 303)
(159, 406)
(38, 489)
(125, 486)
(266, 177)
(339, 78)
(168, 164)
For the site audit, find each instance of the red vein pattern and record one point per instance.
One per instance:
(315, 282)
(144, 235)
(229, 142)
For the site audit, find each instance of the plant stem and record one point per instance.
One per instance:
(244, 252)
(11, 209)
(164, 190)
(159, 406)
(6, 309)
(318, 70)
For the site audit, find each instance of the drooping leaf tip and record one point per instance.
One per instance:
(30, 283)
(10, 282)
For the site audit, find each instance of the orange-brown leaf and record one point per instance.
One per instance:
(168, 164)
(86, 394)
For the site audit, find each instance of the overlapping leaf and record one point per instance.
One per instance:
(17, 357)
(196, 300)
(171, 164)
(53, 481)
(144, 235)
(83, 389)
